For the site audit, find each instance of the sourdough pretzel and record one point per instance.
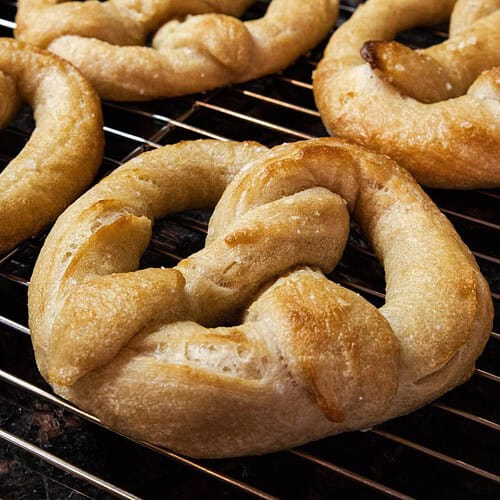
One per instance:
(142, 349)
(419, 107)
(65, 149)
(190, 55)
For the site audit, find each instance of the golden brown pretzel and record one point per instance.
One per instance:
(191, 55)
(142, 349)
(65, 149)
(419, 107)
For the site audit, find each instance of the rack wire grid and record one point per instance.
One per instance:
(50, 449)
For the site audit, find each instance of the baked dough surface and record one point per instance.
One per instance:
(189, 53)
(246, 347)
(65, 150)
(435, 111)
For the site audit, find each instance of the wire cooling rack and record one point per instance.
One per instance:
(50, 449)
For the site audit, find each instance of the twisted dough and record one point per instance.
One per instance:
(411, 104)
(141, 349)
(190, 55)
(65, 149)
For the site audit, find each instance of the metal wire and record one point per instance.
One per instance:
(65, 466)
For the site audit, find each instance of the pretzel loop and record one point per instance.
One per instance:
(143, 351)
(65, 149)
(411, 104)
(189, 54)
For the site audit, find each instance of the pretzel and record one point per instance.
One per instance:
(65, 149)
(145, 350)
(421, 107)
(189, 55)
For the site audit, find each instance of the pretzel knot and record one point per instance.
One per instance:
(189, 55)
(145, 350)
(65, 149)
(435, 111)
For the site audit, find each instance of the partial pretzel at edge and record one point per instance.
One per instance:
(65, 150)
(189, 54)
(411, 105)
